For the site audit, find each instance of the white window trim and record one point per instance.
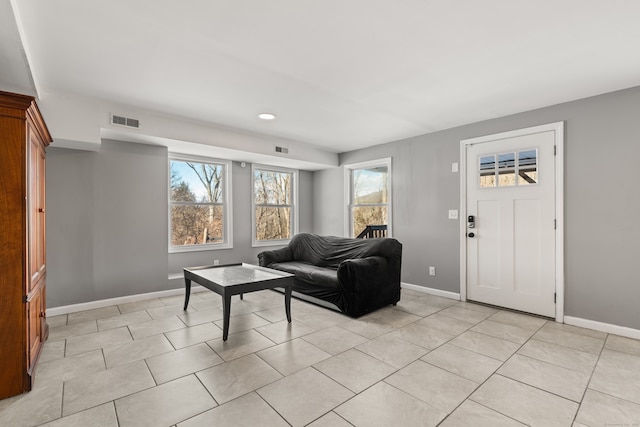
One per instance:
(227, 203)
(294, 204)
(348, 226)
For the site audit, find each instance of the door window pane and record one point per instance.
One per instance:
(506, 169)
(509, 169)
(487, 163)
(506, 160)
(488, 171)
(528, 167)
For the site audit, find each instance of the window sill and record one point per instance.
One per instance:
(266, 243)
(199, 248)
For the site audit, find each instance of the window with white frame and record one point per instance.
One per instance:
(274, 210)
(368, 191)
(199, 204)
(509, 169)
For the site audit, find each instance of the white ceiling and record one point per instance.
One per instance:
(340, 74)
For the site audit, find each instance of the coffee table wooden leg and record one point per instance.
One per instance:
(187, 292)
(226, 312)
(287, 302)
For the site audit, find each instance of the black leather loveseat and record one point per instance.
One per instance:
(356, 276)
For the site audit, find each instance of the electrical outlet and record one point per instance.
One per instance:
(453, 214)
(216, 262)
(432, 271)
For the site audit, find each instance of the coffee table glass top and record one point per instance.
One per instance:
(229, 275)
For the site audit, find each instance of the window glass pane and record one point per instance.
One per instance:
(273, 204)
(362, 216)
(369, 199)
(273, 223)
(194, 189)
(488, 171)
(272, 188)
(369, 185)
(506, 178)
(506, 160)
(196, 182)
(487, 163)
(506, 169)
(528, 167)
(509, 173)
(196, 224)
(527, 158)
(488, 180)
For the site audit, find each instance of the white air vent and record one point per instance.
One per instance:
(125, 121)
(283, 150)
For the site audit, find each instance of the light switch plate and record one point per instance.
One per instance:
(454, 167)
(453, 214)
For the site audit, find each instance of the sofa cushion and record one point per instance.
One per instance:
(318, 282)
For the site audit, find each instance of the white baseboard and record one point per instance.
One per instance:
(431, 291)
(569, 320)
(574, 321)
(73, 308)
(603, 327)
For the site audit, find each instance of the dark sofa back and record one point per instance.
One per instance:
(330, 251)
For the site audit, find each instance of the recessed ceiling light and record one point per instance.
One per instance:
(267, 116)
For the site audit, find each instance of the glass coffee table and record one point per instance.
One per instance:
(237, 279)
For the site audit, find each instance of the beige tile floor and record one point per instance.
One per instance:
(428, 361)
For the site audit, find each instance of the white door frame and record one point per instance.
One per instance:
(558, 128)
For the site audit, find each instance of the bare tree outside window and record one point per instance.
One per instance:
(197, 203)
(273, 204)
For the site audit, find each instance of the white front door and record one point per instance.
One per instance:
(511, 220)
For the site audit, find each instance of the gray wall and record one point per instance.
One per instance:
(104, 213)
(328, 199)
(70, 229)
(424, 189)
(602, 150)
(107, 223)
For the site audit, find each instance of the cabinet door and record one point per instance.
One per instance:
(40, 211)
(34, 331)
(36, 210)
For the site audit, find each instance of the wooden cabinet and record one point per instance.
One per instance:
(23, 326)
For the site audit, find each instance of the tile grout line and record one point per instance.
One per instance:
(538, 388)
(595, 366)
(489, 377)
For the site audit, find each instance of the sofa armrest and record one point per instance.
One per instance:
(266, 258)
(368, 283)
